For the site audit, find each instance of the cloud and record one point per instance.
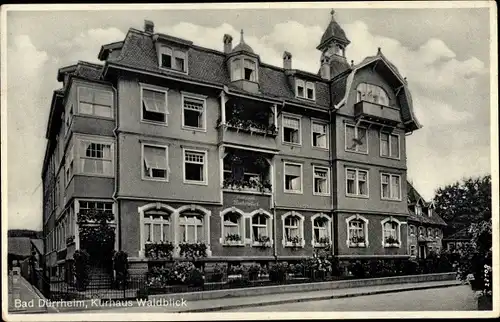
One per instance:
(87, 44)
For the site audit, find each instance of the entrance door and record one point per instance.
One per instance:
(422, 250)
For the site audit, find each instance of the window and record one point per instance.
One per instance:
(293, 231)
(357, 182)
(232, 227)
(421, 231)
(166, 57)
(69, 164)
(244, 69)
(173, 59)
(157, 227)
(321, 181)
(389, 145)
(319, 135)
(355, 139)
(429, 211)
(95, 102)
(437, 233)
(413, 250)
(391, 234)
(193, 112)
(291, 130)
(293, 177)
(321, 230)
(372, 93)
(391, 186)
(195, 167)
(155, 162)
(96, 157)
(300, 90)
(249, 70)
(412, 230)
(180, 61)
(429, 232)
(96, 205)
(418, 209)
(154, 105)
(260, 229)
(191, 228)
(68, 119)
(357, 231)
(305, 89)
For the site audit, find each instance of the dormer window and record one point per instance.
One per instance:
(173, 59)
(372, 93)
(244, 69)
(305, 89)
(418, 210)
(429, 212)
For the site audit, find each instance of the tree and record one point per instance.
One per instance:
(464, 202)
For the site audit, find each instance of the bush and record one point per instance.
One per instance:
(218, 273)
(162, 250)
(120, 265)
(195, 278)
(358, 269)
(253, 271)
(193, 251)
(278, 272)
(81, 269)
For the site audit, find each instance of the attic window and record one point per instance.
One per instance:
(243, 69)
(173, 59)
(418, 210)
(305, 89)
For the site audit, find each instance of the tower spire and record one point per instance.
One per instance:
(241, 36)
(332, 13)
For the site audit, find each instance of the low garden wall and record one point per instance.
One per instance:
(305, 287)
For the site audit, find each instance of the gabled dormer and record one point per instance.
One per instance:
(172, 52)
(430, 209)
(243, 64)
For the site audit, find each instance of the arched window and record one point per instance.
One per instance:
(261, 227)
(232, 226)
(421, 231)
(391, 232)
(371, 93)
(321, 230)
(429, 232)
(190, 227)
(293, 229)
(412, 230)
(157, 226)
(357, 231)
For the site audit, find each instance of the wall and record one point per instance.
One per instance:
(374, 236)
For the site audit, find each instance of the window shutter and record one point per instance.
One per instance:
(293, 170)
(248, 228)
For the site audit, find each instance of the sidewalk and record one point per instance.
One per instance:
(273, 299)
(27, 300)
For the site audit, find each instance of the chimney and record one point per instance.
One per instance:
(228, 43)
(325, 68)
(149, 26)
(287, 60)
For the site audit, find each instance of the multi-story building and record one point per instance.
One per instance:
(425, 230)
(188, 144)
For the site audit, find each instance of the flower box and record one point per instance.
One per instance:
(391, 245)
(361, 244)
(229, 242)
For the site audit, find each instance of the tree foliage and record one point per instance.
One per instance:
(464, 202)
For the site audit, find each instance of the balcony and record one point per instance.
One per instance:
(377, 113)
(248, 123)
(246, 171)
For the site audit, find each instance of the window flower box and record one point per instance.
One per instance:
(357, 242)
(391, 242)
(262, 242)
(294, 242)
(233, 240)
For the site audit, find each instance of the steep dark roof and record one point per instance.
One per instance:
(413, 197)
(210, 66)
(19, 246)
(82, 69)
(38, 243)
(333, 32)
(424, 219)
(462, 234)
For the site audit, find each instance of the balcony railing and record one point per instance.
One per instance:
(377, 112)
(252, 127)
(251, 185)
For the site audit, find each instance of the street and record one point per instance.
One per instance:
(456, 298)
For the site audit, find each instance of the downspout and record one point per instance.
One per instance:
(330, 157)
(275, 222)
(117, 171)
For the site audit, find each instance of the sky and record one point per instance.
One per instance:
(444, 53)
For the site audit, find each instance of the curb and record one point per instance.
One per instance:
(318, 298)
